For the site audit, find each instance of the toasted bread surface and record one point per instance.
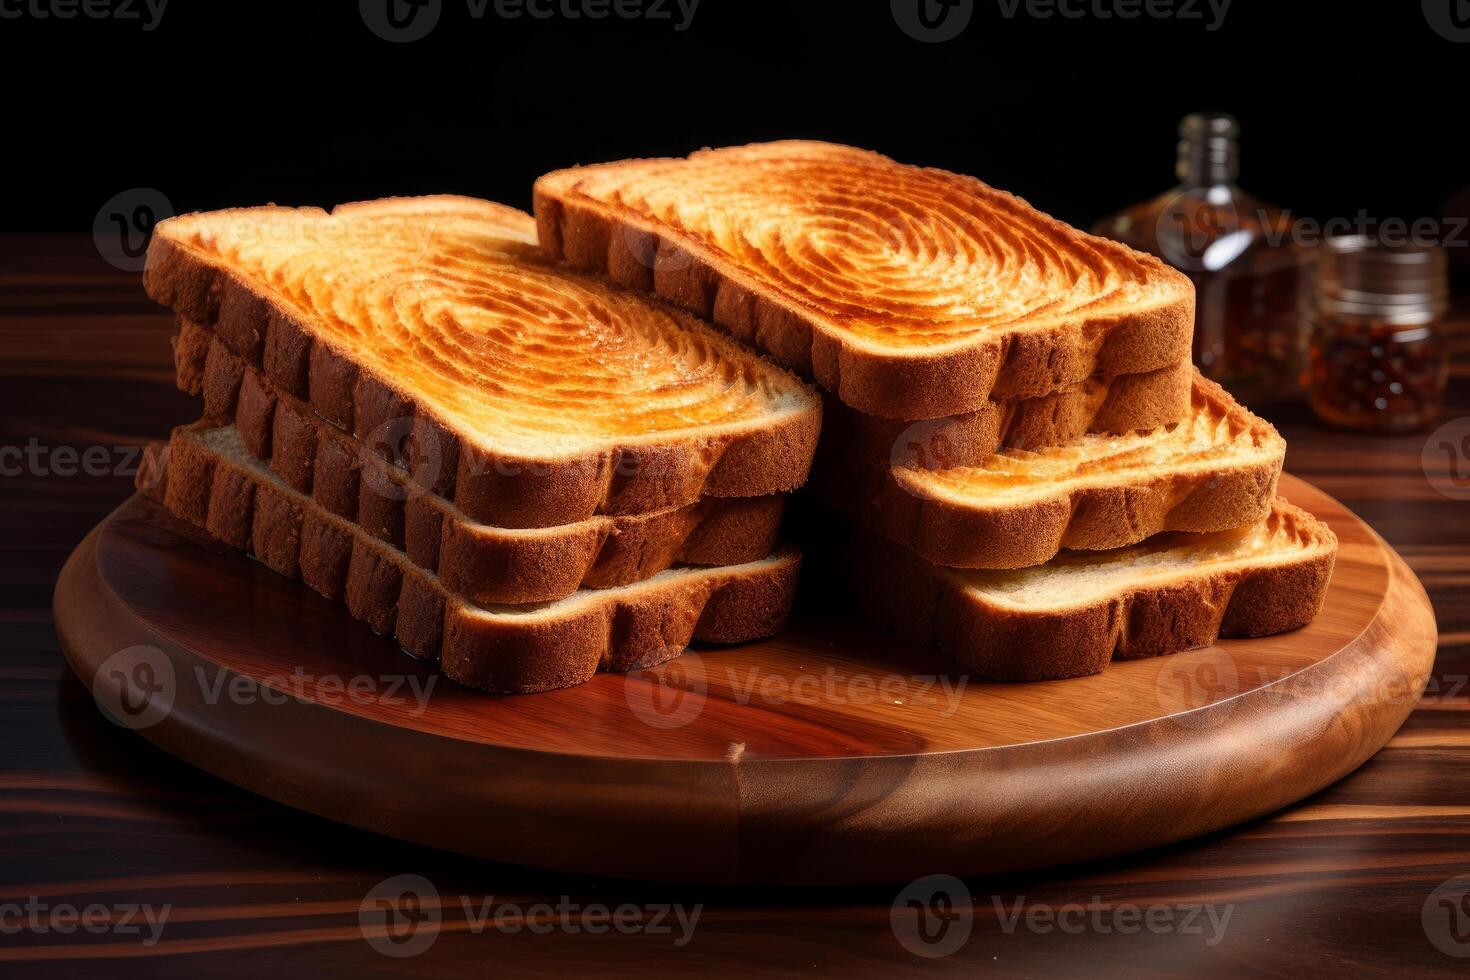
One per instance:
(1073, 615)
(209, 478)
(909, 292)
(545, 396)
(486, 564)
(1217, 469)
(1120, 405)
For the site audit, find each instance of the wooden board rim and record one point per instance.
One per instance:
(874, 817)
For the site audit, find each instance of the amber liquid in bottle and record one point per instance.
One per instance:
(1239, 252)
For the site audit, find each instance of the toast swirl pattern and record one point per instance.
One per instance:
(536, 396)
(486, 564)
(1074, 614)
(909, 292)
(208, 478)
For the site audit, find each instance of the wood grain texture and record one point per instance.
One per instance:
(92, 814)
(876, 773)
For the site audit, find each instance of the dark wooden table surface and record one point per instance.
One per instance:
(95, 822)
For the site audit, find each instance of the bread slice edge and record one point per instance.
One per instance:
(237, 500)
(631, 475)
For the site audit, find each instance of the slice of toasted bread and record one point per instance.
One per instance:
(535, 396)
(1216, 469)
(1123, 404)
(1072, 615)
(209, 478)
(486, 564)
(909, 292)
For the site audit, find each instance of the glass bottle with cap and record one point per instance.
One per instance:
(1241, 255)
(1377, 359)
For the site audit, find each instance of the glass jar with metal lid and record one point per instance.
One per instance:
(1377, 360)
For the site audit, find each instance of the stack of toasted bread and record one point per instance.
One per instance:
(1037, 477)
(521, 448)
(518, 470)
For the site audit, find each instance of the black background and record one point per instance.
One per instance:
(1345, 106)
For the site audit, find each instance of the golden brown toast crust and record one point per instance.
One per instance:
(1127, 403)
(925, 603)
(817, 335)
(981, 530)
(486, 565)
(618, 630)
(506, 489)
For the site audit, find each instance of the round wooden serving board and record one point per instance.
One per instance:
(829, 754)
